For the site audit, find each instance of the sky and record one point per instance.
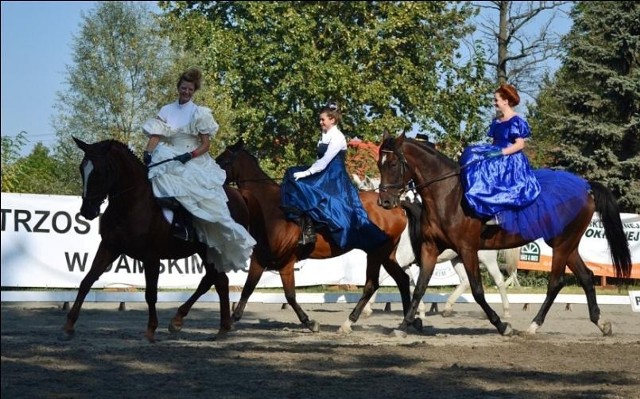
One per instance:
(37, 40)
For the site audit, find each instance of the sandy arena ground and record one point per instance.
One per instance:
(270, 355)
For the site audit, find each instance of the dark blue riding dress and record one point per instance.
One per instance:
(330, 199)
(533, 203)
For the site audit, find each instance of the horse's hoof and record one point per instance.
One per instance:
(367, 312)
(67, 336)
(174, 328)
(506, 315)
(417, 324)
(313, 325)
(606, 328)
(447, 313)
(236, 317)
(508, 330)
(345, 328)
(398, 333)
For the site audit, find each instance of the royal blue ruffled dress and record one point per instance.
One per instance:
(330, 198)
(532, 203)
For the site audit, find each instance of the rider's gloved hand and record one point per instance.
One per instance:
(184, 158)
(300, 175)
(146, 158)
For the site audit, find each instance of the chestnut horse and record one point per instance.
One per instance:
(447, 224)
(133, 224)
(278, 248)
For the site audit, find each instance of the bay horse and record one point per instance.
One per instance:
(133, 224)
(447, 224)
(278, 248)
(406, 256)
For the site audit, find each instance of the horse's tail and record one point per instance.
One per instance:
(607, 207)
(511, 257)
(414, 212)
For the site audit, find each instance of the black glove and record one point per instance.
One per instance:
(184, 158)
(146, 158)
(493, 154)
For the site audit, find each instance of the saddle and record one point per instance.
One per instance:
(182, 223)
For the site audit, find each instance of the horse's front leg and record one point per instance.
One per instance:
(103, 258)
(151, 275)
(207, 281)
(253, 277)
(428, 256)
(288, 283)
(472, 267)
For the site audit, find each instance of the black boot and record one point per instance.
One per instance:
(308, 231)
(182, 226)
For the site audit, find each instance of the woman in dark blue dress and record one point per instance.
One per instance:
(502, 188)
(324, 193)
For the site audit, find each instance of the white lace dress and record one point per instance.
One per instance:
(197, 184)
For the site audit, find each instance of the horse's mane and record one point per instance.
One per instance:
(389, 144)
(119, 146)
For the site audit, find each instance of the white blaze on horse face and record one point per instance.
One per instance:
(88, 168)
(384, 159)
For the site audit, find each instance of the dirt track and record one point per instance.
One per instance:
(269, 355)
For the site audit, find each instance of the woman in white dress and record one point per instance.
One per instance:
(182, 131)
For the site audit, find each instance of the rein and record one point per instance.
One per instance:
(403, 188)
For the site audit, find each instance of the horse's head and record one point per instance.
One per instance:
(106, 167)
(227, 160)
(394, 171)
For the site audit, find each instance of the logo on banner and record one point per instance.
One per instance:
(530, 252)
(634, 297)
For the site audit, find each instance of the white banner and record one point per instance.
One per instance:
(47, 244)
(593, 249)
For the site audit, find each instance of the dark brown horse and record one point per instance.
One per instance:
(278, 248)
(133, 224)
(446, 223)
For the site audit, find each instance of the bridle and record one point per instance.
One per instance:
(410, 185)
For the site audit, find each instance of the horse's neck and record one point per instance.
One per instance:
(251, 177)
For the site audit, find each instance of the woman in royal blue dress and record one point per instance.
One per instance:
(502, 188)
(324, 194)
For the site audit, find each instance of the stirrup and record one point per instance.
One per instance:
(492, 222)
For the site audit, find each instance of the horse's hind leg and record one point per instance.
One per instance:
(494, 271)
(460, 289)
(103, 258)
(289, 285)
(556, 283)
(207, 281)
(585, 277)
(221, 282)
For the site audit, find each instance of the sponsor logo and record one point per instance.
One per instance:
(530, 252)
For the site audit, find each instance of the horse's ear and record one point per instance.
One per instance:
(238, 144)
(81, 144)
(385, 135)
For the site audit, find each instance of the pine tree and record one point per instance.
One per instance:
(592, 106)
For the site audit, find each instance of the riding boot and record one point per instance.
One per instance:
(308, 231)
(182, 226)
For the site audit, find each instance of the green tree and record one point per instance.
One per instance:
(592, 108)
(121, 74)
(389, 65)
(11, 148)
